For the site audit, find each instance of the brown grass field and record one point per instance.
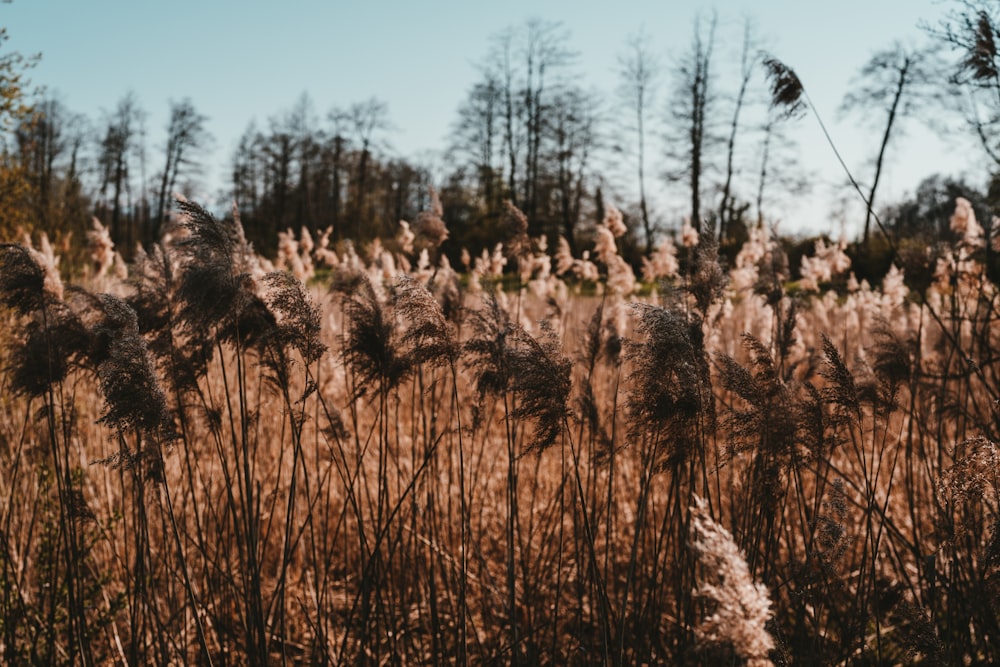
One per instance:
(210, 463)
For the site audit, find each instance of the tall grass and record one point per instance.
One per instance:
(213, 463)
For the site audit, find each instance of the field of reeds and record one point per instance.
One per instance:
(364, 456)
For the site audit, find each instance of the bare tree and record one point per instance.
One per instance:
(727, 204)
(544, 51)
(690, 113)
(246, 170)
(639, 73)
(186, 135)
(308, 141)
(366, 120)
(574, 129)
(49, 146)
(972, 32)
(894, 81)
(779, 163)
(120, 144)
(528, 64)
(41, 143)
(336, 151)
(279, 148)
(513, 135)
(477, 135)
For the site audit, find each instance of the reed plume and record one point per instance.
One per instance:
(216, 290)
(737, 608)
(429, 231)
(541, 383)
(669, 390)
(22, 279)
(46, 348)
(296, 316)
(707, 279)
(786, 88)
(428, 337)
(50, 338)
(370, 345)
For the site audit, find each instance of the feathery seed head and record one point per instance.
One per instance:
(738, 607)
(22, 279)
(297, 318)
(980, 60)
(428, 336)
(429, 229)
(514, 225)
(46, 348)
(786, 88)
(370, 346)
(132, 393)
(102, 248)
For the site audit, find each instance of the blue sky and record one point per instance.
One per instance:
(248, 60)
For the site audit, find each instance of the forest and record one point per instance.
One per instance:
(710, 132)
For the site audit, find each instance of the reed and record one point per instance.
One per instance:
(211, 462)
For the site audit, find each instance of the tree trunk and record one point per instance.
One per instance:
(900, 85)
(726, 207)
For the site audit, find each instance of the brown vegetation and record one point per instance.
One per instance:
(210, 463)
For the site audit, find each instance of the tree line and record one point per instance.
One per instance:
(708, 127)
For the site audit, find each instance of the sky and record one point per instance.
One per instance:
(245, 60)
